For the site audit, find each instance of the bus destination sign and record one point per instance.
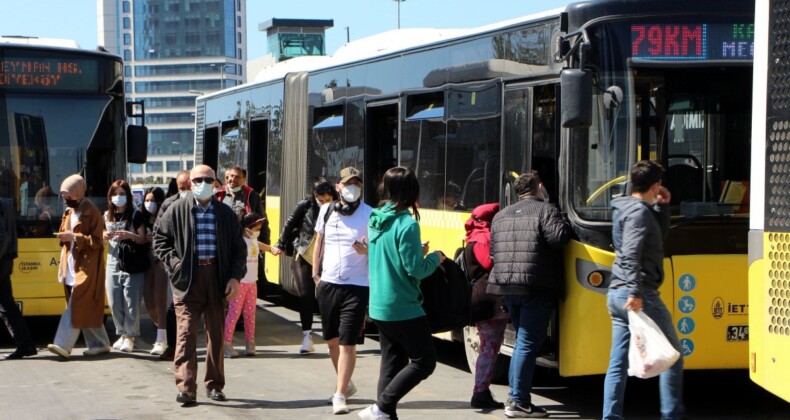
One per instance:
(43, 73)
(692, 42)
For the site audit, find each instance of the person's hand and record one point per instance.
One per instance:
(664, 196)
(316, 279)
(360, 247)
(66, 236)
(107, 235)
(425, 248)
(231, 289)
(149, 237)
(441, 255)
(275, 251)
(633, 303)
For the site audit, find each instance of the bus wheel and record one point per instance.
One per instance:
(472, 349)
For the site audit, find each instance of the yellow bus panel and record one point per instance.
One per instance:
(35, 278)
(272, 263)
(769, 304)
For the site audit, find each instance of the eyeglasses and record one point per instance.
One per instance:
(202, 179)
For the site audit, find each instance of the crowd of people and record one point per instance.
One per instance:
(196, 252)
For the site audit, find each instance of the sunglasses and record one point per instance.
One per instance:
(202, 179)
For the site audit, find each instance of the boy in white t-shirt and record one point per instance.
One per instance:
(340, 269)
(245, 302)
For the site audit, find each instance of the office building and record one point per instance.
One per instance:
(173, 51)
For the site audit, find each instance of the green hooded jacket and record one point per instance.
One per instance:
(397, 265)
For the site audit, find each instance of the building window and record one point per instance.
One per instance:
(238, 21)
(127, 39)
(128, 87)
(127, 23)
(127, 71)
(126, 7)
(127, 55)
(153, 166)
(238, 5)
(238, 54)
(238, 37)
(241, 68)
(173, 166)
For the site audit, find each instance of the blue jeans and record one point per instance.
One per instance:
(124, 294)
(530, 315)
(670, 381)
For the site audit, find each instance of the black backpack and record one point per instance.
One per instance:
(446, 298)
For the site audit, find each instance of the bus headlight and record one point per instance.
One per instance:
(595, 278)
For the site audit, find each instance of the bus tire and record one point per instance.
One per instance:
(472, 350)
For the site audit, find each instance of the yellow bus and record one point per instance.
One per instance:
(578, 94)
(769, 231)
(62, 111)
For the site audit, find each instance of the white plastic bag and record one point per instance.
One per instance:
(649, 353)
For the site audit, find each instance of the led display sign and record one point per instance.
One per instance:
(47, 73)
(692, 41)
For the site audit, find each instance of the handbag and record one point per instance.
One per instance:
(133, 257)
(649, 352)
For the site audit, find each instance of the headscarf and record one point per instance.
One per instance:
(74, 185)
(478, 226)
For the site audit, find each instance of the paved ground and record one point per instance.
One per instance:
(281, 384)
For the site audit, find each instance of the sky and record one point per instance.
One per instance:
(76, 19)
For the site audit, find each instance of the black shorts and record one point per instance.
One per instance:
(343, 310)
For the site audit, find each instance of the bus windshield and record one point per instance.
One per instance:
(690, 112)
(46, 138)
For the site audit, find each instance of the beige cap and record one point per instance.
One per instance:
(350, 172)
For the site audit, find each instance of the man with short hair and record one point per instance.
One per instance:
(243, 199)
(640, 223)
(8, 309)
(340, 270)
(526, 239)
(200, 243)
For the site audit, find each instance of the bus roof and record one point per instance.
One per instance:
(41, 42)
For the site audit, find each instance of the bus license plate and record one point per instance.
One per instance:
(737, 333)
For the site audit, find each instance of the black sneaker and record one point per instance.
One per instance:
(485, 400)
(516, 410)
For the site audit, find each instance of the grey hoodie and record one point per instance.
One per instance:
(638, 233)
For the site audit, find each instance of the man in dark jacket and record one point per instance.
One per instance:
(243, 199)
(8, 309)
(639, 227)
(525, 241)
(199, 240)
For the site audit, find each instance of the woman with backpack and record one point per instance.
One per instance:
(488, 312)
(298, 235)
(122, 222)
(399, 261)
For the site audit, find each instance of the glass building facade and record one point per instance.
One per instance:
(174, 51)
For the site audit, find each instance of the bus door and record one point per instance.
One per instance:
(531, 137)
(210, 147)
(381, 143)
(256, 178)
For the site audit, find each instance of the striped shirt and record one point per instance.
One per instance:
(205, 231)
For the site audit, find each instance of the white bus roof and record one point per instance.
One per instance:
(43, 42)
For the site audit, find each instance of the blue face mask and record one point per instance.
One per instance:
(202, 191)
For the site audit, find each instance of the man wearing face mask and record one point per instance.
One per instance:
(184, 185)
(201, 245)
(340, 270)
(243, 199)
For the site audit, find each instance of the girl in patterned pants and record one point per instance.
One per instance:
(244, 303)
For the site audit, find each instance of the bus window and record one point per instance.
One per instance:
(423, 144)
(231, 148)
(328, 143)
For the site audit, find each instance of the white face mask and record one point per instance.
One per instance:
(150, 206)
(249, 233)
(235, 189)
(181, 194)
(118, 200)
(202, 191)
(350, 193)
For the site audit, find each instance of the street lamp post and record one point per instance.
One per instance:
(399, 2)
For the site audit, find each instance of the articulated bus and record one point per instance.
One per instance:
(769, 234)
(578, 94)
(62, 112)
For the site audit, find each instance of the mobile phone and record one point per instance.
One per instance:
(360, 243)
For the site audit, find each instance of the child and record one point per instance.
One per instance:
(244, 301)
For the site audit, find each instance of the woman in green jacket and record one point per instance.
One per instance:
(399, 261)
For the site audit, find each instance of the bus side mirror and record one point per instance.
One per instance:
(136, 144)
(576, 97)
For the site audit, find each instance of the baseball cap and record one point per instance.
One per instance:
(350, 172)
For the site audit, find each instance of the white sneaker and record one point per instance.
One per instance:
(373, 413)
(350, 390)
(117, 345)
(307, 344)
(159, 348)
(128, 345)
(339, 404)
(96, 351)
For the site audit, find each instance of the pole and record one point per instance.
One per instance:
(398, 13)
(348, 35)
